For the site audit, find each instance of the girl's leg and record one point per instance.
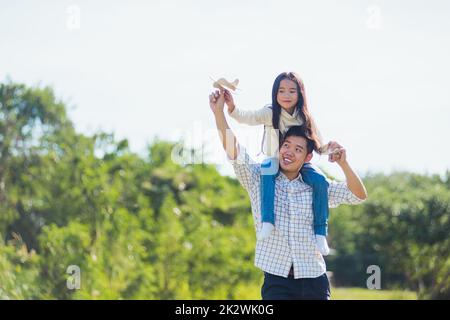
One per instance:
(269, 168)
(319, 184)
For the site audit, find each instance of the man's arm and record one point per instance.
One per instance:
(229, 142)
(354, 183)
(247, 172)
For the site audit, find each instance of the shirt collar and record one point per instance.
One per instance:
(281, 175)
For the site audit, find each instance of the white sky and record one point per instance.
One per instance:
(377, 73)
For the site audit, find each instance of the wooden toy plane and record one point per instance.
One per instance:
(223, 84)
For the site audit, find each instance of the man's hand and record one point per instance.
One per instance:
(338, 153)
(229, 101)
(217, 101)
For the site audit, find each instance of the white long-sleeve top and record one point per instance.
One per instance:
(263, 116)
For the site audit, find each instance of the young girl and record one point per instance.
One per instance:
(289, 108)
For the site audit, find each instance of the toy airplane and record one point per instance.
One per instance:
(223, 84)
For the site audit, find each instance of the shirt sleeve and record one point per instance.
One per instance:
(339, 193)
(253, 117)
(247, 171)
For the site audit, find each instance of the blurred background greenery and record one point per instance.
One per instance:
(148, 228)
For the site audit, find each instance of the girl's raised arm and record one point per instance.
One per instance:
(252, 118)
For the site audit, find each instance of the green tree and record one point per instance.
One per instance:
(147, 227)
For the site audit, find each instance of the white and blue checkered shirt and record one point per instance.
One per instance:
(292, 242)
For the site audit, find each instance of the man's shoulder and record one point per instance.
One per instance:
(246, 169)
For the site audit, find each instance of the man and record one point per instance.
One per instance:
(293, 267)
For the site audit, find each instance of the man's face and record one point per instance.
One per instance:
(293, 154)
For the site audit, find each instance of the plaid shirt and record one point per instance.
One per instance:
(292, 242)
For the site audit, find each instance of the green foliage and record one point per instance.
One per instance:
(150, 228)
(402, 228)
(19, 271)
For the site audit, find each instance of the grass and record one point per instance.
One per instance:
(253, 292)
(366, 294)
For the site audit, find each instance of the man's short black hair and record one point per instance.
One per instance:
(300, 131)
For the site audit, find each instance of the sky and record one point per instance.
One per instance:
(377, 73)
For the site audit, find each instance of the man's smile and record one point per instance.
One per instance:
(287, 160)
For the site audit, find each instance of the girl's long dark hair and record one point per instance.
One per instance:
(302, 106)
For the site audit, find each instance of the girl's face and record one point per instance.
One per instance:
(287, 95)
